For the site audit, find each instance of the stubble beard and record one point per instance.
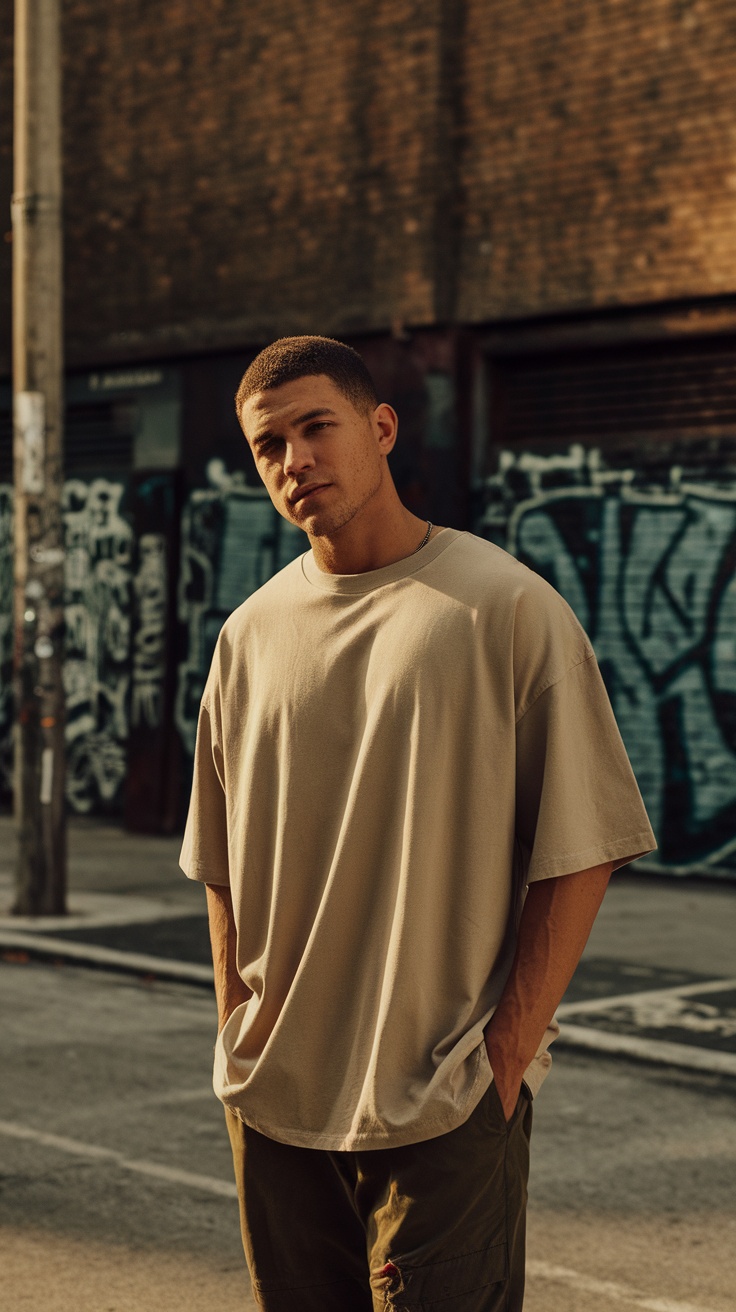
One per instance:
(327, 523)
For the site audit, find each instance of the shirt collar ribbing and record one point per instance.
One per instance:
(354, 584)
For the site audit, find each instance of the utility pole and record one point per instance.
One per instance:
(38, 462)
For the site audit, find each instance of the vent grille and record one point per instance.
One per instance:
(99, 438)
(597, 394)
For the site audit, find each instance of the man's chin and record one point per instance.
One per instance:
(323, 525)
(315, 525)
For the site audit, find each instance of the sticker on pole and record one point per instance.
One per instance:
(29, 415)
(47, 776)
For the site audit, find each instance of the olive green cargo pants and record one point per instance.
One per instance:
(436, 1225)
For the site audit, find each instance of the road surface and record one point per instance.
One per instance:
(116, 1192)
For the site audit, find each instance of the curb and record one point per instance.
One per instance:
(655, 1052)
(88, 954)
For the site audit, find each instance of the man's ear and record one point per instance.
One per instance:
(386, 423)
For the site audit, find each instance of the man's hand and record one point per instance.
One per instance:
(555, 923)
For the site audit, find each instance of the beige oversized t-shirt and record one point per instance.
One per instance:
(383, 761)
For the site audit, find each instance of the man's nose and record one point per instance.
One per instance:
(297, 456)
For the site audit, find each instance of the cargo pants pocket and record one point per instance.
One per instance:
(456, 1284)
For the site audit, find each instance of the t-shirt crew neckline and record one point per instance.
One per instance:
(352, 584)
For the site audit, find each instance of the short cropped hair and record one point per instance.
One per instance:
(299, 357)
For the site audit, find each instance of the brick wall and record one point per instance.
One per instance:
(233, 172)
(599, 166)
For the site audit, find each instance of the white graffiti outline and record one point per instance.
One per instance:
(149, 644)
(685, 590)
(239, 523)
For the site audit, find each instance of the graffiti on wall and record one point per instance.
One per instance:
(651, 573)
(115, 611)
(232, 541)
(149, 644)
(98, 584)
(97, 612)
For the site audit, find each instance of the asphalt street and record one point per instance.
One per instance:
(116, 1192)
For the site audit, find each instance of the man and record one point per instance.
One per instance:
(401, 731)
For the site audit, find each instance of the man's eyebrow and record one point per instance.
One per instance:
(302, 419)
(313, 414)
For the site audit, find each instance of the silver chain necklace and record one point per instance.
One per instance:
(424, 540)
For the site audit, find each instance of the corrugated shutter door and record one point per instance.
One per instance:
(596, 395)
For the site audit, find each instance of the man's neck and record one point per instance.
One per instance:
(338, 556)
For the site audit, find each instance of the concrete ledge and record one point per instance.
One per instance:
(655, 1051)
(88, 954)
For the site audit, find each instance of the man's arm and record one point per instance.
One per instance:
(555, 923)
(230, 990)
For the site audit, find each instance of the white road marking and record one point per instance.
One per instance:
(607, 1289)
(657, 1051)
(683, 1055)
(660, 1051)
(137, 963)
(75, 1148)
(647, 995)
(697, 1015)
(224, 1189)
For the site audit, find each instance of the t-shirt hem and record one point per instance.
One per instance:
(396, 1137)
(619, 851)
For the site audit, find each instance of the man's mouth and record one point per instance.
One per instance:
(303, 493)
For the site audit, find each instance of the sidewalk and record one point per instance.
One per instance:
(657, 981)
(129, 905)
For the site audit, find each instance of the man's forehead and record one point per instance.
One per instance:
(287, 402)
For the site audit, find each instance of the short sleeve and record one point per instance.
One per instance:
(204, 853)
(577, 801)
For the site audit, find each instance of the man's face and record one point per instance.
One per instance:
(320, 459)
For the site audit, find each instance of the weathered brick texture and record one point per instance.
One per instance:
(237, 171)
(233, 172)
(599, 165)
